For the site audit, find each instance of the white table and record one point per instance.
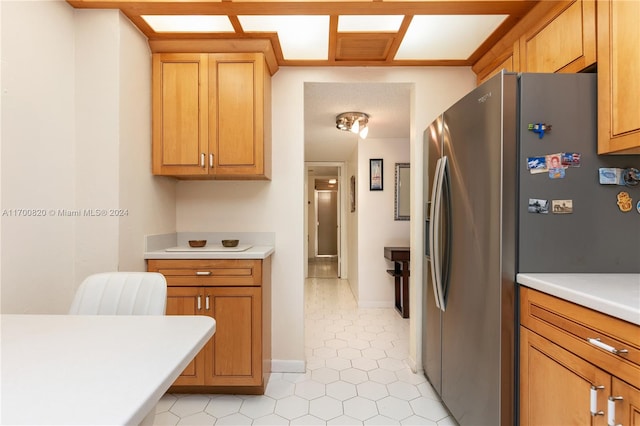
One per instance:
(90, 370)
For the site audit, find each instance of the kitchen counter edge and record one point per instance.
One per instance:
(255, 252)
(617, 295)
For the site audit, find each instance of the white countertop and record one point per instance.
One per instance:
(617, 295)
(253, 252)
(258, 245)
(93, 369)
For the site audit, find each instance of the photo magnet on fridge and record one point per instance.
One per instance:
(562, 206)
(554, 164)
(536, 165)
(556, 173)
(537, 205)
(570, 159)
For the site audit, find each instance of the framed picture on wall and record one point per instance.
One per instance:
(352, 193)
(375, 174)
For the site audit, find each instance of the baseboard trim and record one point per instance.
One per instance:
(288, 366)
(412, 365)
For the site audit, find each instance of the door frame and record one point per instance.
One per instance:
(342, 218)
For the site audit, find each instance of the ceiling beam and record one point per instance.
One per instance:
(516, 8)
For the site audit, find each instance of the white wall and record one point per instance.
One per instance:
(97, 138)
(76, 110)
(279, 206)
(38, 155)
(149, 200)
(1, 97)
(352, 224)
(376, 226)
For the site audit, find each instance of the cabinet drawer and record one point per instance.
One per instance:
(211, 272)
(571, 325)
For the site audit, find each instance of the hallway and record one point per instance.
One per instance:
(323, 267)
(356, 372)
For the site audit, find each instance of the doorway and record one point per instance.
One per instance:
(326, 222)
(324, 219)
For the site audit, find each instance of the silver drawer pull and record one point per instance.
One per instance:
(203, 273)
(594, 401)
(611, 410)
(598, 343)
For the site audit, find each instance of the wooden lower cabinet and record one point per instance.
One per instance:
(560, 368)
(237, 358)
(555, 385)
(233, 357)
(187, 301)
(627, 403)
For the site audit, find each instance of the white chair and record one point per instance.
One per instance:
(121, 293)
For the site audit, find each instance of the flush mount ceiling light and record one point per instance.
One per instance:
(355, 122)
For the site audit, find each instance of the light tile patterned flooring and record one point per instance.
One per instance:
(356, 373)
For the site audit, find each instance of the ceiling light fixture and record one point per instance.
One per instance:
(355, 122)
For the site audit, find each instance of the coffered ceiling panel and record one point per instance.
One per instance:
(327, 33)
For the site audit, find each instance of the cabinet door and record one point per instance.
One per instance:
(618, 77)
(236, 124)
(235, 357)
(627, 411)
(180, 114)
(508, 64)
(567, 43)
(555, 385)
(188, 301)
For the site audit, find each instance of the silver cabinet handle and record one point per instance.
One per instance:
(206, 302)
(202, 160)
(203, 273)
(594, 401)
(598, 343)
(211, 161)
(199, 302)
(611, 410)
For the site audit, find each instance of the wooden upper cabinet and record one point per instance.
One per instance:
(618, 77)
(508, 64)
(179, 113)
(211, 116)
(238, 85)
(553, 37)
(564, 42)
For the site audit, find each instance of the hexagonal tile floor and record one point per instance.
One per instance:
(356, 375)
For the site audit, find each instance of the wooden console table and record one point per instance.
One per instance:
(400, 257)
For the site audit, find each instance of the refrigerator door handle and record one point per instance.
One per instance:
(435, 229)
(432, 228)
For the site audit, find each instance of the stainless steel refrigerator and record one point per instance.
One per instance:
(488, 216)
